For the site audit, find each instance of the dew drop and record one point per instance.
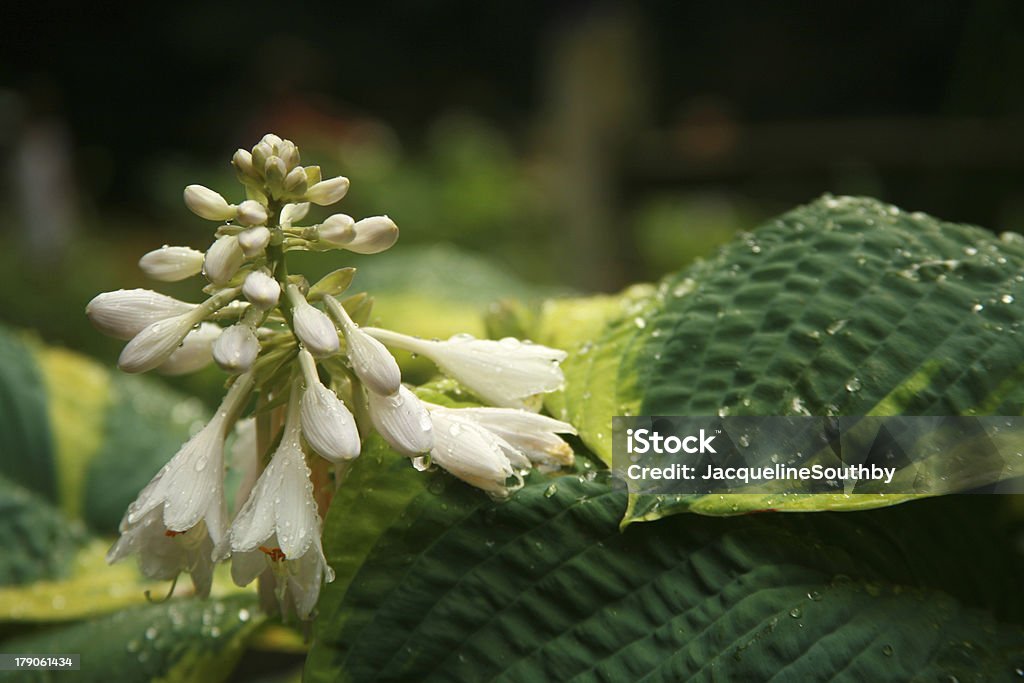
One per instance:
(814, 596)
(1007, 298)
(243, 615)
(888, 650)
(853, 385)
(796, 612)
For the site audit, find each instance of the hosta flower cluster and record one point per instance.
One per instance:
(315, 379)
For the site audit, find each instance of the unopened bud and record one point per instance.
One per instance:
(313, 328)
(293, 212)
(327, 192)
(223, 260)
(273, 140)
(251, 212)
(289, 153)
(205, 203)
(373, 235)
(195, 352)
(261, 289)
(337, 229)
(236, 349)
(275, 170)
(170, 264)
(126, 312)
(260, 154)
(253, 241)
(295, 181)
(156, 342)
(242, 161)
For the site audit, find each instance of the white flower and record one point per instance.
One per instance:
(533, 436)
(372, 235)
(313, 328)
(163, 553)
(403, 421)
(337, 230)
(505, 373)
(293, 212)
(223, 259)
(206, 203)
(470, 452)
(126, 312)
(195, 352)
(170, 264)
(327, 423)
(279, 527)
(179, 517)
(253, 241)
(158, 341)
(327, 192)
(372, 362)
(251, 212)
(236, 349)
(261, 289)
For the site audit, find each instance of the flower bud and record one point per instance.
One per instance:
(260, 153)
(236, 349)
(251, 212)
(126, 312)
(337, 229)
(156, 342)
(170, 264)
(295, 181)
(242, 161)
(372, 362)
(195, 352)
(327, 423)
(313, 328)
(223, 259)
(275, 170)
(289, 153)
(273, 140)
(205, 203)
(293, 212)
(327, 192)
(253, 241)
(403, 421)
(373, 235)
(261, 289)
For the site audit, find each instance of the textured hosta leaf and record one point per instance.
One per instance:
(38, 543)
(180, 640)
(451, 586)
(845, 306)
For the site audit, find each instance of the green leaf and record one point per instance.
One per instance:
(38, 542)
(845, 306)
(455, 587)
(180, 640)
(26, 444)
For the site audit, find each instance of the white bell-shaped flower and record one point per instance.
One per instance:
(195, 352)
(223, 259)
(372, 362)
(327, 423)
(180, 516)
(171, 264)
(278, 527)
(205, 203)
(470, 452)
(313, 328)
(236, 349)
(534, 437)
(126, 312)
(505, 373)
(403, 421)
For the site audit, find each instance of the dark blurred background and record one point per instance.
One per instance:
(566, 145)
